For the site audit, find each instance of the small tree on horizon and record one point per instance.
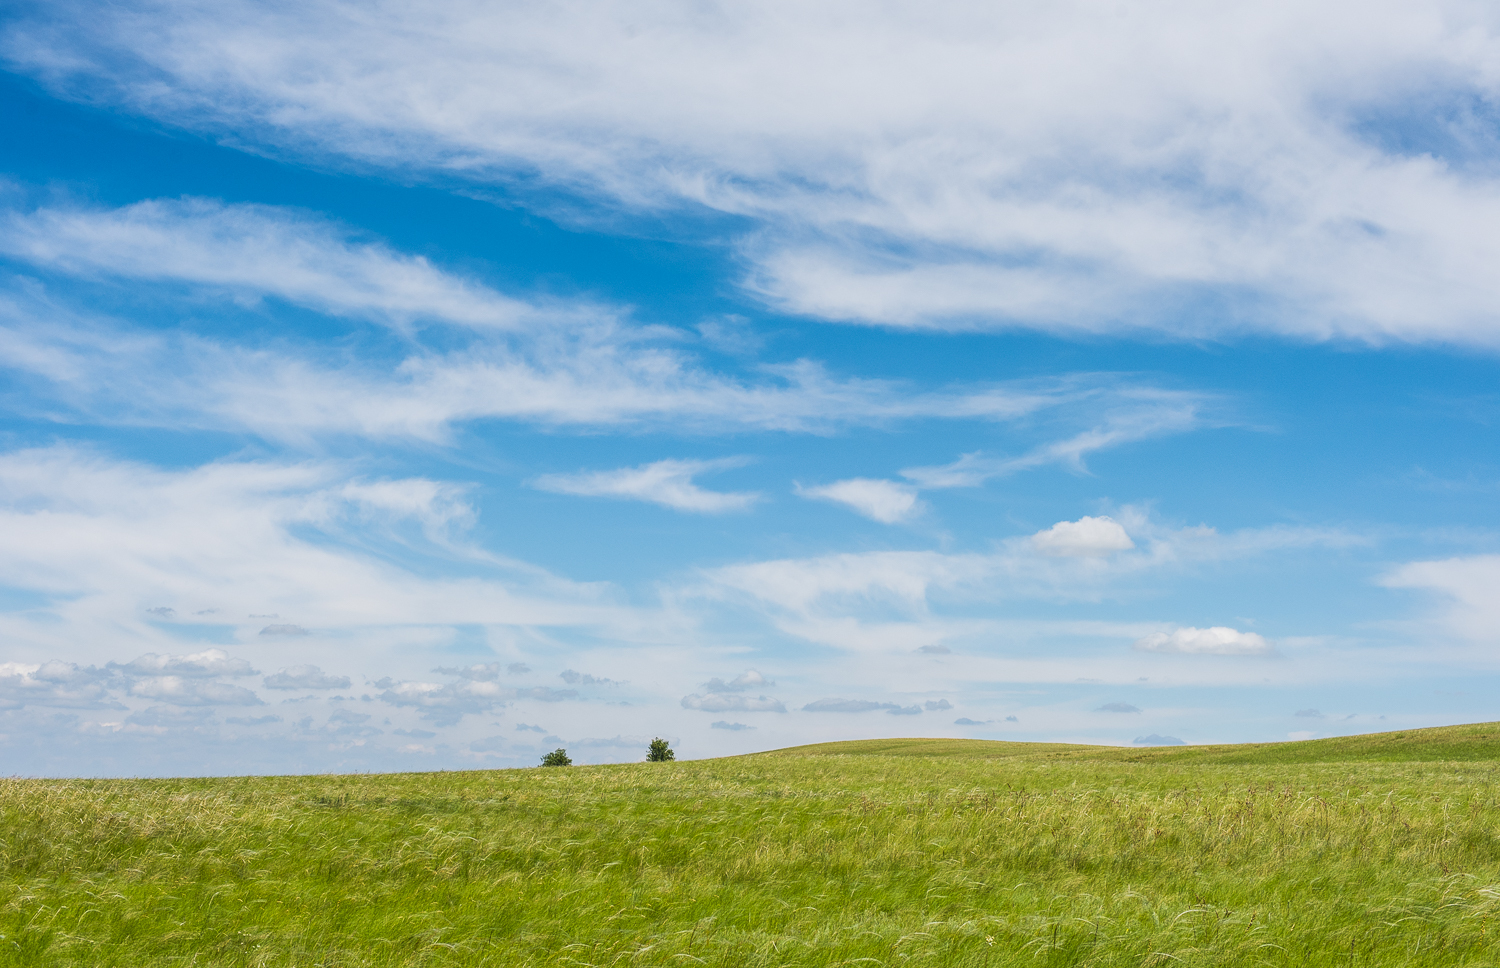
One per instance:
(659, 752)
(558, 757)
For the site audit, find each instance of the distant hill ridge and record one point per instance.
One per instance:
(1473, 742)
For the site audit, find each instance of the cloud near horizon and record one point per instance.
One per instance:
(1218, 640)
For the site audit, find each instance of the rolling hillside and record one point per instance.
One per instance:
(1370, 850)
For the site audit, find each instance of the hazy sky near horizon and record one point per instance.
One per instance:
(417, 386)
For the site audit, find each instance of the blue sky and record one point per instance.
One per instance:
(437, 385)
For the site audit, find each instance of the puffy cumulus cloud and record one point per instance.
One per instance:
(723, 697)
(733, 727)
(730, 703)
(183, 691)
(445, 702)
(1118, 707)
(305, 677)
(1218, 640)
(206, 664)
(749, 679)
(966, 721)
(1087, 537)
(932, 705)
(920, 169)
(859, 706)
(885, 501)
(57, 684)
(665, 482)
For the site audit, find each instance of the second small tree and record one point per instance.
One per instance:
(659, 752)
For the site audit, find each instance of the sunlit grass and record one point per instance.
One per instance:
(1344, 852)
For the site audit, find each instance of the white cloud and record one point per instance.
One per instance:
(611, 373)
(284, 629)
(1218, 640)
(1466, 588)
(883, 501)
(665, 482)
(182, 691)
(749, 679)
(722, 703)
(1127, 414)
(859, 706)
(446, 703)
(98, 538)
(261, 250)
(205, 664)
(305, 677)
(924, 601)
(54, 683)
(966, 165)
(1085, 538)
(575, 678)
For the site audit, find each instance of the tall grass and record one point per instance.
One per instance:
(1047, 857)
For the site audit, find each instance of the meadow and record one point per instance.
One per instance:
(1375, 850)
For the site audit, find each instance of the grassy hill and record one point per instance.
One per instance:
(1367, 850)
(1474, 742)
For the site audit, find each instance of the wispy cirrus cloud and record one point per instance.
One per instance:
(92, 536)
(1129, 414)
(547, 362)
(928, 172)
(885, 501)
(669, 483)
(262, 250)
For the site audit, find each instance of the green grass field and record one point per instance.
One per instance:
(1372, 850)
